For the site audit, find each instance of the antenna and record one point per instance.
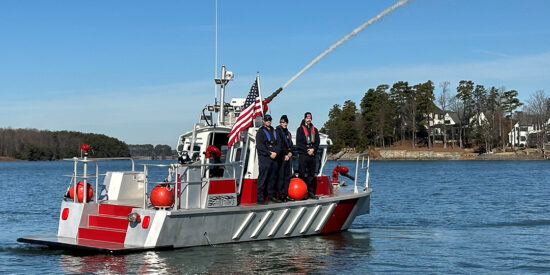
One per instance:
(216, 52)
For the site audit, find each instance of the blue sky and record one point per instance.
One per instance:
(141, 71)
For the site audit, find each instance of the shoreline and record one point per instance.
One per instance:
(379, 154)
(10, 159)
(6, 159)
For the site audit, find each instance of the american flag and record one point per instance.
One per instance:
(251, 109)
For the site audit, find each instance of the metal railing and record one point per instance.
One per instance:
(84, 176)
(173, 180)
(367, 173)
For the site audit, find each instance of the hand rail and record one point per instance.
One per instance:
(85, 160)
(174, 166)
(367, 176)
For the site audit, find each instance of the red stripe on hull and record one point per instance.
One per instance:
(339, 216)
(221, 186)
(102, 234)
(108, 222)
(115, 210)
(249, 191)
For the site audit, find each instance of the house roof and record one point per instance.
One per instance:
(454, 116)
(437, 110)
(525, 121)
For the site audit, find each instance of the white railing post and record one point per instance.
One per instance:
(367, 177)
(356, 171)
(96, 182)
(176, 189)
(74, 178)
(145, 187)
(85, 176)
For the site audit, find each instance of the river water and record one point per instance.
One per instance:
(426, 217)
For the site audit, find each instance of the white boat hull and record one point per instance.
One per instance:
(186, 228)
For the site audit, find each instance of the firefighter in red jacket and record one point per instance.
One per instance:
(307, 145)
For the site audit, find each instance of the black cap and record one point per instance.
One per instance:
(308, 113)
(283, 119)
(267, 117)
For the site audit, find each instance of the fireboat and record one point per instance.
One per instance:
(207, 198)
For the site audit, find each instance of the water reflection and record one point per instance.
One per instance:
(297, 255)
(107, 264)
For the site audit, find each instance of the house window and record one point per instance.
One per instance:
(522, 138)
(524, 128)
(447, 121)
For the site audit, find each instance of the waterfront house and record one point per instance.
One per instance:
(444, 120)
(528, 131)
(478, 119)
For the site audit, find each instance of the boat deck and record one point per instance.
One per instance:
(84, 245)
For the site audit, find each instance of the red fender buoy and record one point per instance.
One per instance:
(162, 196)
(297, 189)
(80, 191)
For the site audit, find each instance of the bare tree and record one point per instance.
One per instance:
(444, 102)
(537, 107)
(501, 91)
(457, 106)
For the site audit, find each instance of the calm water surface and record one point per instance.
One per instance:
(426, 217)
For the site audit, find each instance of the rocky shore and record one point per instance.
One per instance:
(400, 154)
(2, 158)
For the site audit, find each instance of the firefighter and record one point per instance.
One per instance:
(283, 159)
(268, 148)
(307, 145)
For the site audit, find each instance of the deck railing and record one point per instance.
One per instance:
(367, 173)
(85, 176)
(172, 178)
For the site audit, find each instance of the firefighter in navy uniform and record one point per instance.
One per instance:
(283, 159)
(268, 148)
(307, 145)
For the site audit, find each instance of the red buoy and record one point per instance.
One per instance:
(80, 191)
(297, 189)
(162, 196)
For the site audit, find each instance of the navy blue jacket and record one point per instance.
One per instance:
(285, 137)
(263, 144)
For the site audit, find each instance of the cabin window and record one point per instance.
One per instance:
(237, 153)
(220, 141)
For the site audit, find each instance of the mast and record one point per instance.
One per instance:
(226, 76)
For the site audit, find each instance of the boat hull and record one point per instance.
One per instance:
(167, 229)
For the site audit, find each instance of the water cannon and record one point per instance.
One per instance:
(340, 170)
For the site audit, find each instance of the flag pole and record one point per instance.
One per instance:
(261, 100)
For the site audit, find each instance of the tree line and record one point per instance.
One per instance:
(148, 150)
(33, 144)
(403, 113)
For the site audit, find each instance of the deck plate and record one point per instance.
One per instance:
(84, 245)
